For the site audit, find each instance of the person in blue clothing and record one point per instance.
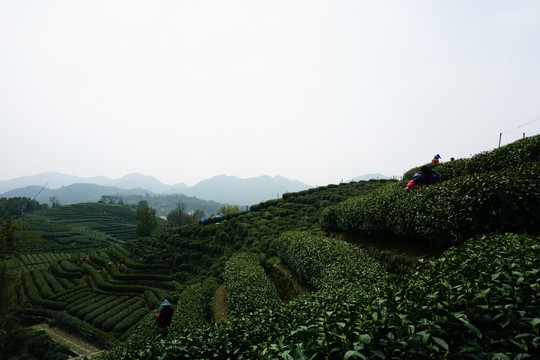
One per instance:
(425, 177)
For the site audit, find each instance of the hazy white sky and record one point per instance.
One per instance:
(316, 91)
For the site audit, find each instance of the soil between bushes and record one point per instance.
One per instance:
(221, 311)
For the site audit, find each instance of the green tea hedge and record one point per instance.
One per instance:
(326, 262)
(506, 201)
(478, 301)
(247, 285)
(192, 309)
(133, 318)
(518, 153)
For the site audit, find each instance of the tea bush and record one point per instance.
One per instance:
(326, 262)
(113, 311)
(518, 153)
(113, 320)
(73, 293)
(55, 285)
(479, 301)
(506, 201)
(101, 305)
(43, 287)
(247, 285)
(84, 303)
(133, 318)
(146, 332)
(192, 309)
(32, 294)
(111, 303)
(150, 299)
(59, 271)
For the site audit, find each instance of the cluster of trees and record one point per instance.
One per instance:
(111, 199)
(147, 221)
(18, 206)
(180, 216)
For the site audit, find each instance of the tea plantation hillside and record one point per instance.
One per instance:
(478, 300)
(81, 226)
(106, 284)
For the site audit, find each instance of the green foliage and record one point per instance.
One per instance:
(113, 309)
(247, 285)
(228, 209)
(477, 301)
(146, 218)
(36, 344)
(128, 312)
(98, 259)
(102, 284)
(57, 269)
(84, 303)
(150, 299)
(132, 319)
(506, 201)
(75, 292)
(92, 312)
(328, 263)
(84, 226)
(18, 206)
(146, 332)
(287, 285)
(33, 295)
(102, 305)
(192, 310)
(43, 287)
(516, 154)
(117, 275)
(84, 329)
(55, 285)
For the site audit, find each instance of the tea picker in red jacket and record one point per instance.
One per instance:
(425, 177)
(165, 315)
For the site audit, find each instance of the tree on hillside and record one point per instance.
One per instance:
(13, 237)
(147, 221)
(18, 206)
(111, 199)
(228, 209)
(177, 217)
(54, 201)
(198, 215)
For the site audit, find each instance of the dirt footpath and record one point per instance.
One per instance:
(221, 311)
(77, 344)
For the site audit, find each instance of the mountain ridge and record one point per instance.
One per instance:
(220, 188)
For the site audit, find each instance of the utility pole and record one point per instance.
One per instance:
(500, 137)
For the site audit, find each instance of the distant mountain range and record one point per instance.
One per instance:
(69, 189)
(55, 180)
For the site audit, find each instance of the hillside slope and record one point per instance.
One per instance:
(474, 301)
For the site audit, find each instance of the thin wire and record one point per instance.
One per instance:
(527, 123)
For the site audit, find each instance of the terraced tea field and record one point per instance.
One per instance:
(82, 226)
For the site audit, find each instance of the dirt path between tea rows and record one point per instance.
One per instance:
(221, 311)
(77, 344)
